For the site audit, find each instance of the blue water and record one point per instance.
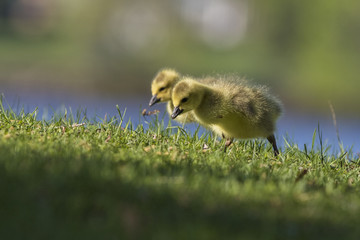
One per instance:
(293, 127)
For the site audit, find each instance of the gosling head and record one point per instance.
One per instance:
(186, 96)
(162, 86)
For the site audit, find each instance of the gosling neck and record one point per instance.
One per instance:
(205, 94)
(209, 105)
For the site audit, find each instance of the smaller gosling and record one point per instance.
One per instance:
(232, 109)
(161, 89)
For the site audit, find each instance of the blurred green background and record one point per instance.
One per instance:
(307, 51)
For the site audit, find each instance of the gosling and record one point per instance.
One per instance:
(232, 109)
(161, 89)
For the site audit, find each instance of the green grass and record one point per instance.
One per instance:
(112, 180)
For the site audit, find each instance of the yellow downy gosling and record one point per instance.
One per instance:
(232, 109)
(161, 89)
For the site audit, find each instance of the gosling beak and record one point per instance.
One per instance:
(177, 111)
(154, 100)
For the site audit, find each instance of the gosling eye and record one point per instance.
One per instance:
(161, 89)
(184, 100)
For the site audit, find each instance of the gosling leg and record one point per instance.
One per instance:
(272, 140)
(228, 142)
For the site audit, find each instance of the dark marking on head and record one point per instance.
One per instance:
(160, 77)
(182, 87)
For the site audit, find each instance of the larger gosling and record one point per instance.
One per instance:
(232, 109)
(161, 89)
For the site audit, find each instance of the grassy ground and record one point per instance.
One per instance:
(62, 179)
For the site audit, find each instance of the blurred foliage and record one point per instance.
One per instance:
(307, 51)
